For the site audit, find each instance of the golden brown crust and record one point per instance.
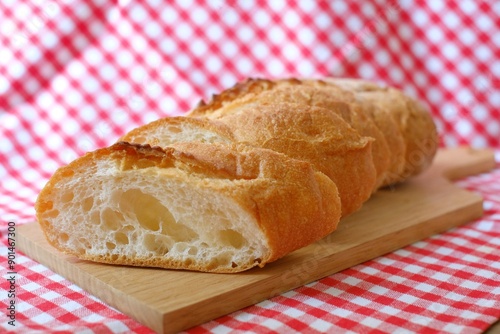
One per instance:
(413, 121)
(404, 132)
(252, 87)
(313, 134)
(249, 86)
(341, 102)
(293, 204)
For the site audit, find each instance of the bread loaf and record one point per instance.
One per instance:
(406, 140)
(264, 168)
(198, 206)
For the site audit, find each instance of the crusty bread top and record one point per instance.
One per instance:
(405, 135)
(325, 89)
(249, 86)
(313, 134)
(387, 152)
(313, 94)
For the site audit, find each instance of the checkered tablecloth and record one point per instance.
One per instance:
(75, 75)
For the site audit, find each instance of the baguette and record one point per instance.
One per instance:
(264, 168)
(198, 206)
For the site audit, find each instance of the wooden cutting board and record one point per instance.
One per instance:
(170, 301)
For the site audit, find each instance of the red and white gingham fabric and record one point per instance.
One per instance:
(75, 75)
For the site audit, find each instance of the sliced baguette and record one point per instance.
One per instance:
(313, 134)
(198, 206)
(264, 168)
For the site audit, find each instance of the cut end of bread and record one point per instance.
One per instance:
(149, 217)
(142, 206)
(139, 226)
(166, 131)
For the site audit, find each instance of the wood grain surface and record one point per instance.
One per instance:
(172, 300)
